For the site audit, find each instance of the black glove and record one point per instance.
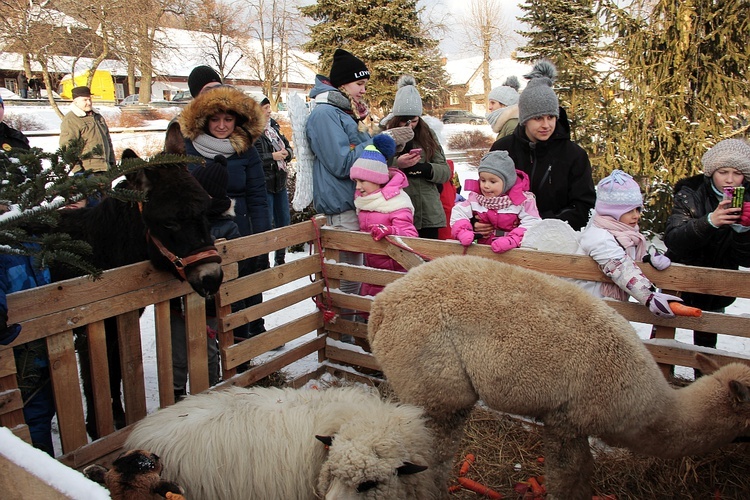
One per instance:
(423, 170)
(221, 160)
(8, 333)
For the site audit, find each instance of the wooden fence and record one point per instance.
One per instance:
(51, 312)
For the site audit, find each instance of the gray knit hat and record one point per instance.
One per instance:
(538, 98)
(504, 95)
(501, 164)
(408, 102)
(734, 153)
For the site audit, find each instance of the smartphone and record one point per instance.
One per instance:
(736, 194)
(416, 151)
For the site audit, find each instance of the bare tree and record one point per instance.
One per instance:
(221, 24)
(487, 30)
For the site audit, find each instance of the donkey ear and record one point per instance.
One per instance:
(707, 365)
(740, 392)
(326, 440)
(410, 468)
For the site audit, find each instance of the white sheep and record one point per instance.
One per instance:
(463, 328)
(260, 443)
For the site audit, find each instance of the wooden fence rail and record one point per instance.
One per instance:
(53, 311)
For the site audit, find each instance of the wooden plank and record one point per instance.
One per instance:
(18, 483)
(10, 401)
(195, 328)
(165, 374)
(268, 279)
(403, 256)
(11, 417)
(347, 327)
(93, 452)
(244, 316)
(99, 368)
(255, 346)
(66, 388)
(303, 379)
(669, 353)
(131, 361)
(249, 246)
(350, 357)
(7, 363)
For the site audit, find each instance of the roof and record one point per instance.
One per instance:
(468, 72)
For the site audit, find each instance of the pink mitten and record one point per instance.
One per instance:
(503, 244)
(380, 231)
(463, 232)
(745, 215)
(658, 304)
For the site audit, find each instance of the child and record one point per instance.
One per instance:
(704, 229)
(503, 202)
(612, 239)
(383, 207)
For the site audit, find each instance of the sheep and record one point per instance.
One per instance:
(462, 328)
(260, 443)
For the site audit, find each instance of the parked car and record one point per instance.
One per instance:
(461, 116)
(132, 99)
(182, 96)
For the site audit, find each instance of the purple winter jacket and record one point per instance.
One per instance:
(391, 207)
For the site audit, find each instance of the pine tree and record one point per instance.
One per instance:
(683, 86)
(388, 36)
(35, 185)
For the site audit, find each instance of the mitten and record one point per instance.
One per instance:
(504, 243)
(423, 170)
(658, 304)
(380, 231)
(658, 260)
(463, 232)
(221, 160)
(745, 215)
(401, 135)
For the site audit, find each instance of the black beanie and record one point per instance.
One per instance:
(346, 68)
(199, 77)
(214, 178)
(82, 91)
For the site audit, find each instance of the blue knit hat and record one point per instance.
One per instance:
(617, 194)
(372, 164)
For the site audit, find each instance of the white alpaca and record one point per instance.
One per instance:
(260, 443)
(463, 328)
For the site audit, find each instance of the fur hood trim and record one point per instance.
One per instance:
(194, 117)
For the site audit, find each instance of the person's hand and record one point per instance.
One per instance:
(658, 304)
(745, 215)
(658, 260)
(407, 160)
(725, 214)
(503, 244)
(465, 237)
(423, 170)
(483, 228)
(401, 135)
(280, 155)
(380, 231)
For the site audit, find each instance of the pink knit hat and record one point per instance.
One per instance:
(372, 164)
(617, 194)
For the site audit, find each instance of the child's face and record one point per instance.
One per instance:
(490, 184)
(631, 218)
(221, 125)
(727, 177)
(366, 187)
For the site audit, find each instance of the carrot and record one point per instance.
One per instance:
(536, 488)
(680, 309)
(466, 465)
(454, 488)
(479, 488)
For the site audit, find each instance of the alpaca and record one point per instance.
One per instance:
(261, 443)
(531, 344)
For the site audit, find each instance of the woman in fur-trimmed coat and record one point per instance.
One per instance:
(221, 125)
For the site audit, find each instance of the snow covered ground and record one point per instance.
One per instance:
(308, 364)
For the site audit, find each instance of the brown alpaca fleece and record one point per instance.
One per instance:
(136, 475)
(251, 119)
(531, 344)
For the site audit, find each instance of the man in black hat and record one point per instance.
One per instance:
(84, 122)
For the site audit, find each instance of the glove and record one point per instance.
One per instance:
(401, 135)
(463, 232)
(745, 215)
(221, 160)
(503, 244)
(423, 170)
(380, 231)
(8, 333)
(657, 260)
(658, 304)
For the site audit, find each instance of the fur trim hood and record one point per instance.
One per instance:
(251, 122)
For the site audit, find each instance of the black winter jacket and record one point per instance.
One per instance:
(12, 138)
(275, 177)
(691, 240)
(559, 171)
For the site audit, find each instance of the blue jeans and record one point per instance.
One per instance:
(278, 213)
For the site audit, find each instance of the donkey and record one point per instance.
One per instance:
(170, 228)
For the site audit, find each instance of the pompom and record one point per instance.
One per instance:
(512, 82)
(543, 68)
(385, 144)
(405, 80)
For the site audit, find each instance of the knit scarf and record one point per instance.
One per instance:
(209, 146)
(494, 203)
(277, 143)
(627, 237)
